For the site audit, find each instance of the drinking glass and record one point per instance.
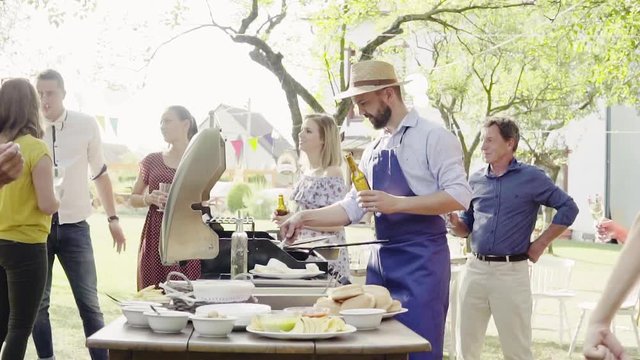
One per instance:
(596, 207)
(164, 187)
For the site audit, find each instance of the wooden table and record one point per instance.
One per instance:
(391, 341)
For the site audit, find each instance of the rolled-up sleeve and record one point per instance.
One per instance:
(95, 155)
(351, 207)
(446, 163)
(468, 218)
(552, 196)
(350, 201)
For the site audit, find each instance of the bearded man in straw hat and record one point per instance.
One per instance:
(416, 174)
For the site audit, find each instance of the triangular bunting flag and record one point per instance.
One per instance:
(114, 125)
(253, 142)
(237, 147)
(100, 120)
(269, 139)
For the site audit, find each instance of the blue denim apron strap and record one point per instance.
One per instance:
(415, 264)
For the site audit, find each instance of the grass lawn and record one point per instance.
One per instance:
(117, 273)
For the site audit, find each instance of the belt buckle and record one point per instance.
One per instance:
(507, 258)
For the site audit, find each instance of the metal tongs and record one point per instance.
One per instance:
(308, 240)
(302, 253)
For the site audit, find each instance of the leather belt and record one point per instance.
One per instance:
(499, 258)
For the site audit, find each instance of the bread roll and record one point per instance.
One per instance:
(381, 294)
(395, 306)
(334, 307)
(362, 301)
(345, 292)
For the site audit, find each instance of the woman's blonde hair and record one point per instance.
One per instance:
(330, 154)
(19, 109)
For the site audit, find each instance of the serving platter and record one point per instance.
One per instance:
(394, 313)
(293, 275)
(302, 336)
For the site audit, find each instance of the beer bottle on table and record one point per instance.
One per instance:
(281, 210)
(357, 176)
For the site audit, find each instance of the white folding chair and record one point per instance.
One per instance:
(550, 277)
(628, 308)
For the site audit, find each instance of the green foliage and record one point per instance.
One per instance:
(261, 205)
(258, 179)
(237, 197)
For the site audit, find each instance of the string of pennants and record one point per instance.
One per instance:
(238, 143)
(113, 123)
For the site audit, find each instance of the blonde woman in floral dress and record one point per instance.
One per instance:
(321, 183)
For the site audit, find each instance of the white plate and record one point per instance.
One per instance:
(243, 311)
(298, 336)
(394, 313)
(299, 275)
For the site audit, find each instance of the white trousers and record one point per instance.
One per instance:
(500, 289)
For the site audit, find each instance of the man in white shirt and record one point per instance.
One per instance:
(76, 147)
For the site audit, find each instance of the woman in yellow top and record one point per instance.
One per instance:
(26, 205)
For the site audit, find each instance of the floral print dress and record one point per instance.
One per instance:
(313, 192)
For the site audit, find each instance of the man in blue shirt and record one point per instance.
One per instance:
(506, 197)
(416, 174)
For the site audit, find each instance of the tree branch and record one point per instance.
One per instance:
(253, 14)
(175, 37)
(396, 27)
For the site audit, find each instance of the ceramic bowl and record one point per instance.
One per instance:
(363, 319)
(167, 321)
(222, 291)
(213, 327)
(135, 314)
(139, 303)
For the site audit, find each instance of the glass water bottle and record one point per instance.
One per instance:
(239, 249)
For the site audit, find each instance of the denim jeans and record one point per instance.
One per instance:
(23, 271)
(72, 244)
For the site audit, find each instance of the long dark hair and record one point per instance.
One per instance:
(185, 115)
(19, 109)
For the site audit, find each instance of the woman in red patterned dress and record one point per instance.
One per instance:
(178, 127)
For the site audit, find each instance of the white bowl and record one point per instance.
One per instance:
(221, 291)
(135, 314)
(213, 327)
(363, 319)
(167, 321)
(243, 311)
(139, 303)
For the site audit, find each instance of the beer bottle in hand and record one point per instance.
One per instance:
(281, 210)
(357, 176)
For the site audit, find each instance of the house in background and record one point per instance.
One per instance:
(356, 133)
(253, 145)
(622, 173)
(604, 160)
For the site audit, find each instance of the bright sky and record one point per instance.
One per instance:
(199, 70)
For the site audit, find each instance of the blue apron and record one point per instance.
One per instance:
(414, 265)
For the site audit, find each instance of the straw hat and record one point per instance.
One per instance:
(368, 76)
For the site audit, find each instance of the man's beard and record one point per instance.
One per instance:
(381, 119)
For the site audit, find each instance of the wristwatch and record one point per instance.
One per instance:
(113, 218)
